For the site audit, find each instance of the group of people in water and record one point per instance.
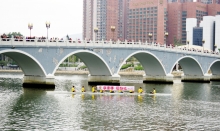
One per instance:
(140, 90)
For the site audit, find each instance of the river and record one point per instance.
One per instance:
(192, 106)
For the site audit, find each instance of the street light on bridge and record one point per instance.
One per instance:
(113, 30)
(166, 34)
(96, 31)
(30, 26)
(203, 42)
(188, 44)
(47, 26)
(150, 35)
(215, 48)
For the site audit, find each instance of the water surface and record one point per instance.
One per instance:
(192, 106)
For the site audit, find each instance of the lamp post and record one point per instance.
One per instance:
(113, 30)
(215, 48)
(96, 31)
(47, 26)
(203, 42)
(30, 26)
(150, 35)
(166, 34)
(188, 44)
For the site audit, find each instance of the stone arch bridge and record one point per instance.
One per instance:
(39, 60)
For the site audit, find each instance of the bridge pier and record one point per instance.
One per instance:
(104, 80)
(215, 78)
(200, 79)
(168, 79)
(39, 82)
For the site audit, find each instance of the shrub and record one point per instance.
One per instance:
(125, 66)
(83, 67)
(139, 67)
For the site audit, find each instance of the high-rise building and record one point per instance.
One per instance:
(201, 1)
(207, 1)
(207, 35)
(217, 31)
(108, 17)
(136, 19)
(112, 19)
(147, 17)
(123, 9)
(88, 19)
(197, 36)
(209, 32)
(178, 12)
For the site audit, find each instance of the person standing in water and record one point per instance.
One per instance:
(131, 91)
(111, 91)
(83, 89)
(101, 91)
(93, 89)
(120, 91)
(140, 90)
(73, 89)
(154, 91)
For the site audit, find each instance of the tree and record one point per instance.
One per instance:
(177, 42)
(14, 34)
(67, 36)
(3, 63)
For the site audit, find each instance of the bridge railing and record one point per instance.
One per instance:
(114, 44)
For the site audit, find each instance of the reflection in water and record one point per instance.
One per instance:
(192, 106)
(93, 97)
(154, 98)
(140, 98)
(83, 96)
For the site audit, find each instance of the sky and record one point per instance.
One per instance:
(65, 16)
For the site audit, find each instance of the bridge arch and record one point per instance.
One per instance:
(190, 66)
(96, 64)
(214, 67)
(151, 64)
(28, 64)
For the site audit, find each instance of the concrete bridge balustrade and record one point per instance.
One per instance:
(40, 59)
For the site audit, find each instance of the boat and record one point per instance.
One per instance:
(106, 88)
(159, 94)
(107, 93)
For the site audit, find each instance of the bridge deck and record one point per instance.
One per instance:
(107, 44)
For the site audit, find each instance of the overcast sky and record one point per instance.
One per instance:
(65, 16)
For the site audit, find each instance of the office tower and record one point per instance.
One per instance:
(145, 18)
(105, 19)
(87, 19)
